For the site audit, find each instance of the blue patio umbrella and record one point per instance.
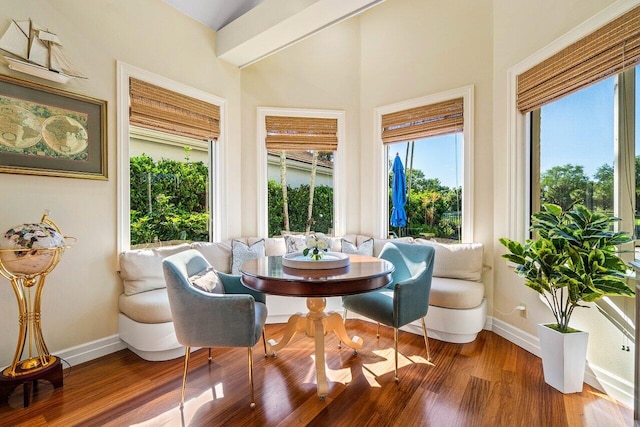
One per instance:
(398, 194)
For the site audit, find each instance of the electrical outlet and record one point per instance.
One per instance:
(523, 310)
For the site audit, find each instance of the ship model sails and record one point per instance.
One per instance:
(36, 51)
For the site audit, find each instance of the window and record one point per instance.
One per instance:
(301, 174)
(580, 104)
(169, 188)
(572, 148)
(596, 69)
(168, 162)
(432, 136)
(169, 173)
(433, 170)
(574, 142)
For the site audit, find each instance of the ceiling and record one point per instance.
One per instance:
(250, 30)
(215, 14)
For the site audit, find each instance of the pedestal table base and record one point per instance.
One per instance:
(316, 324)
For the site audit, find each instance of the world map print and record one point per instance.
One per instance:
(42, 130)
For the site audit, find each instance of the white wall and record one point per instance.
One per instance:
(80, 297)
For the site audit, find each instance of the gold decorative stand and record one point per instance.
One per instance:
(28, 291)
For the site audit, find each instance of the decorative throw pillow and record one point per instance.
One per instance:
(207, 281)
(365, 248)
(241, 252)
(295, 243)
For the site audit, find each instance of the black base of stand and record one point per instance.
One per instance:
(52, 373)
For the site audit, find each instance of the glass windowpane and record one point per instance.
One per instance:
(433, 170)
(300, 178)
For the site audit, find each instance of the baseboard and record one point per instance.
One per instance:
(91, 350)
(598, 378)
(517, 336)
(614, 386)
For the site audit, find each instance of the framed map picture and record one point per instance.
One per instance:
(48, 131)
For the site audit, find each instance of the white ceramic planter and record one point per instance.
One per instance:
(563, 358)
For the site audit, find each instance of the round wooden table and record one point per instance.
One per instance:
(363, 274)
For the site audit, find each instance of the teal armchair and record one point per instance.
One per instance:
(406, 298)
(202, 319)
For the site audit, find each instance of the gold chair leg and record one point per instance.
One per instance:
(253, 401)
(264, 343)
(426, 340)
(184, 374)
(210, 358)
(395, 345)
(344, 322)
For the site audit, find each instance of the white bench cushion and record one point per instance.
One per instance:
(455, 293)
(147, 307)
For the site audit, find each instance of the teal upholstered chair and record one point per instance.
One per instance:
(407, 297)
(234, 318)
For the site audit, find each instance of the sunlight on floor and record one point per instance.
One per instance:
(371, 371)
(386, 365)
(342, 376)
(175, 417)
(604, 396)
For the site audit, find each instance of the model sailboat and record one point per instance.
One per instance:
(36, 52)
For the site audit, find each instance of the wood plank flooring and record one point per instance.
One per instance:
(490, 382)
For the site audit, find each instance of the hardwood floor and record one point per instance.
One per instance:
(490, 382)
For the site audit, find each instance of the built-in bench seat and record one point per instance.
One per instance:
(457, 306)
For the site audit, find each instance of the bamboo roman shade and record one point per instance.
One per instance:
(301, 133)
(441, 118)
(153, 107)
(602, 54)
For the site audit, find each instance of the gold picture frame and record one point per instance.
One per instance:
(52, 132)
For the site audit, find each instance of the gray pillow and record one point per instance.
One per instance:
(241, 252)
(365, 248)
(207, 281)
(295, 243)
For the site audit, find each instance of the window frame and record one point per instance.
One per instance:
(339, 165)
(623, 152)
(519, 154)
(381, 223)
(217, 197)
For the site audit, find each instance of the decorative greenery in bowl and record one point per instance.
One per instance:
(573, 259)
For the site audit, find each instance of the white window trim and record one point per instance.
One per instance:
(467, 94)
(216, 152)
(157, 137)
(339, 164)
(518, 167)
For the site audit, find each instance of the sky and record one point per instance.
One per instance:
(436, 157)
(578, 129)
(583, 136)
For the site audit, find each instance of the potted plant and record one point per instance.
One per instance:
(572, 261)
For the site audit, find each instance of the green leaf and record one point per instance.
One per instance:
(516, 259)
(553, 209)
(612, 287)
